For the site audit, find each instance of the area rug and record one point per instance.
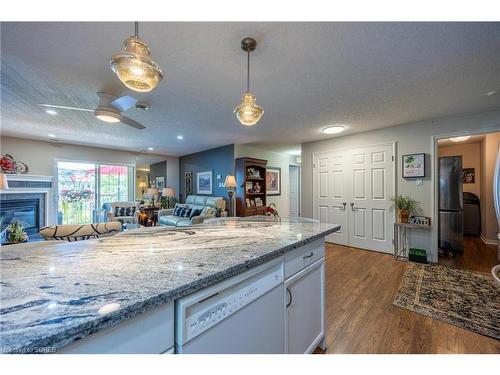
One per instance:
(469, 300)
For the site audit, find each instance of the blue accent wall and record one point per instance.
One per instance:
(219, 160)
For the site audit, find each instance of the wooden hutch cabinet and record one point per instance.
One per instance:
(251, 186)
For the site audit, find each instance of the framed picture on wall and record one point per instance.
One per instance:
(204, 183)
(273, 181)
(469, 175)
(414, 166)
(160, 183)
(188, 183)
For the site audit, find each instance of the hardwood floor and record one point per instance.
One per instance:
(361, 318)
(477, 256)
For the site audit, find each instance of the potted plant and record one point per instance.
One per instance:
(16, 233)
(404, 204)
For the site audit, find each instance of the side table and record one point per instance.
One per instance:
(401, 239)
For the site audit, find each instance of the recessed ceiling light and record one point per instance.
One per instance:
(50, 135)
(334, 129)
(51, 112)
(180, 137)
(491, 93)
(460, 139)
(150, 148)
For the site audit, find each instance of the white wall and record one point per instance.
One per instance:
(471, 158)
(40, 156)
(410, 138)
(274, 159)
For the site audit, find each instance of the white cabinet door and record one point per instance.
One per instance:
(370, 217)
(305, 309)
(364, 180)
(331, 196)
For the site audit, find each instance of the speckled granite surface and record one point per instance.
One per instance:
(470, 300)
(53, 293)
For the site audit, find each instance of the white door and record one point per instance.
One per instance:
(331, 195)
(294, 191)
(364, 179)
(304, 309)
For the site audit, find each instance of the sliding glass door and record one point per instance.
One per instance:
(85, 190)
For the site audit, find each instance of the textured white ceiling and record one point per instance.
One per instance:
(305, 75)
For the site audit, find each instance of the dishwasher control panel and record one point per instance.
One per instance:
(204, 313)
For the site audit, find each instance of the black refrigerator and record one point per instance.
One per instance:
(451, 217)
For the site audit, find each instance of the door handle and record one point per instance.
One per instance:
(308, 255)
(291, 298)
(344, 204)
(352, 206)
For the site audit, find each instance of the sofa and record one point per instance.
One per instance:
(127, 212)
(196, 209)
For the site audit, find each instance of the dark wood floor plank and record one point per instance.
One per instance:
(361, 318)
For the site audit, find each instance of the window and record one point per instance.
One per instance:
(85, 190)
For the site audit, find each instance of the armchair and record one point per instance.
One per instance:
(124, 211)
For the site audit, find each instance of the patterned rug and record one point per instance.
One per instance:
(469, 300)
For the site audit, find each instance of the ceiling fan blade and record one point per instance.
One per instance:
(124, 102)
(66, 107)
(130, 122)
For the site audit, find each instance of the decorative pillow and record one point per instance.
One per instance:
(186, 212)
(195, 212)
(207, 211)
(178, 209)
(124, 211)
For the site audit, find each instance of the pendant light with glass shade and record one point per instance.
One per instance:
(134, 67)
(248, 112)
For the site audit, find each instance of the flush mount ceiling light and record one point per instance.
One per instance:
(460, 139)
(248, 112)
(134, 67)
(180, 137)
(51, 112)
(334, 129)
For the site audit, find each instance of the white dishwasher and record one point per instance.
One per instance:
(243, 314)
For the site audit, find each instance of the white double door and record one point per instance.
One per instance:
(353, 188)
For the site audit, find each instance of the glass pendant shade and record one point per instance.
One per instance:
(248, 112)
(134, 67)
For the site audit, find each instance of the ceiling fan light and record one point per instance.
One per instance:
(106, 116)
(135, 68)
(248, 112)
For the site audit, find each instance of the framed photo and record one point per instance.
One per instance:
(273, 181)
(160, 183)
(247, 202)
(204, 183)
(469, 175)
(188, 183)
(414, 166)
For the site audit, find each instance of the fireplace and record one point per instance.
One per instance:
(23, 211)
(27, 209)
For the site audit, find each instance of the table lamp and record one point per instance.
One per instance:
(230, 186)
(4, 184)
(152, 191)
(168, 192)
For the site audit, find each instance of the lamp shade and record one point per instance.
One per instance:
(142, 185)
(230, 182)
(4, 184)
(152, 191)
(168, 192)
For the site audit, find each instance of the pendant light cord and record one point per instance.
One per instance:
(136, 29)
(248, 71)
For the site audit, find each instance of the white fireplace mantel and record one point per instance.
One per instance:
(28, 177)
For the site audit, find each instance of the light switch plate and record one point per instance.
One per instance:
(419, 182)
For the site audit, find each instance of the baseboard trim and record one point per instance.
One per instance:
(487, 241)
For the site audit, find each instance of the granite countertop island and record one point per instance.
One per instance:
(53, 293)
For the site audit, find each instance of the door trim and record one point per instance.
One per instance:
(299, 170)
(434, 177)
(394, 145)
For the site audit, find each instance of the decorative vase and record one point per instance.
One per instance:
(403, 216)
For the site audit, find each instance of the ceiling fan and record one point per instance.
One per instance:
(110, 109)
